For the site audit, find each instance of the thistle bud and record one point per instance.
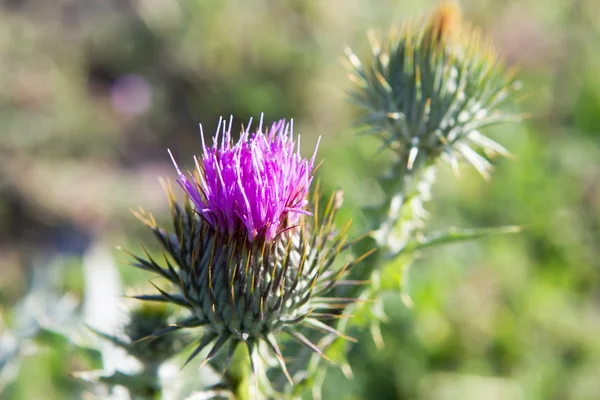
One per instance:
(139, 337)
(428, 89)
(147, 319)
(248, 255)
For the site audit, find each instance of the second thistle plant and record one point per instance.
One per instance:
(427, 90)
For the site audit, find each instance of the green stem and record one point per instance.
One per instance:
(384, 218)
(240, 373)
(400, 191)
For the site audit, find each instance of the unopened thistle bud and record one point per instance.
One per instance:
(248, 255)
(427, 90)
(139, 337)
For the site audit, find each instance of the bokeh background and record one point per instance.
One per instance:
(93, 92)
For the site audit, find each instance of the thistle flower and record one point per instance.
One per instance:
(256, 187)
(248, 256)
(428, 90)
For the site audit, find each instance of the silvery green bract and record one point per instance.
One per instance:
(429, 88)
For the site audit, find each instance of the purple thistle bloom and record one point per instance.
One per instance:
(257, 186)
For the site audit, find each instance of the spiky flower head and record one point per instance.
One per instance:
(248, 256)
(429, 88)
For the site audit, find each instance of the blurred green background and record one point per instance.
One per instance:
(92, 93)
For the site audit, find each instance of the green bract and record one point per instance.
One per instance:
(246, 292)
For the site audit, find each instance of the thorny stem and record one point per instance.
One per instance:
(384, 218)
(401, 190)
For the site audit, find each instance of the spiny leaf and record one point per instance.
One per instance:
(113, 339)
(456, 235)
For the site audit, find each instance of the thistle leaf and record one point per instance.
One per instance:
(456, 235)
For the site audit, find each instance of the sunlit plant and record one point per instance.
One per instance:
(254, 273)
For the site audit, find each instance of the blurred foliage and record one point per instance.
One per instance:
(93, 92)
